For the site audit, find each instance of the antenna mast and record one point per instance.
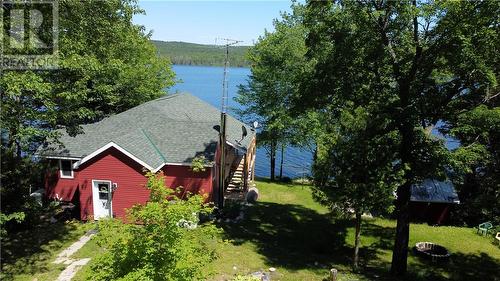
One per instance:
(225, 96)
(222, 129)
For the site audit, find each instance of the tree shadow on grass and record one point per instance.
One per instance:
(30, 251)
(294, 237)
(474, 267)
(462, 267)
(291, 236)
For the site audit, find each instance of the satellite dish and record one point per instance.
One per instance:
(243, 132)
(255, 124)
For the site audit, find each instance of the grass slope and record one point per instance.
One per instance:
(198, 54)
(287, 230)
(28, 255)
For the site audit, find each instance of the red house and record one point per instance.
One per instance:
(102, 170)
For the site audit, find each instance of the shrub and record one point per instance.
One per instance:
(198, 164)
(246, 278)
(286, 180)
(4, 218)
(154, 245)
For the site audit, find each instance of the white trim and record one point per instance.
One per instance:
(454, 201)
(238, 147)
(157, 169)
(179, 164)
(62, 157)
(61, 171)
(122, 150)
(93, 198)
(130, 155)
(185, 164)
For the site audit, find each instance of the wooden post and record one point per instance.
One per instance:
(222, 172)
(333, 274)
(245, 171)
(253, 167)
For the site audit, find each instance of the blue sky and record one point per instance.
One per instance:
(203, 21)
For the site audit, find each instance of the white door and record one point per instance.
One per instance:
(101, 198)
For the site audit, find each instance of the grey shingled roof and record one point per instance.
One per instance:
(431, 190)
(172, 129)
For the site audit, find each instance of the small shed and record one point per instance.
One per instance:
(431, 201)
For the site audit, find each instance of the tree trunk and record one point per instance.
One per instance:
(273, 159)
(282, 156)
(356, 241)
(400, 251)
(406, 127)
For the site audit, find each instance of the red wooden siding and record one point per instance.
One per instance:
(432, 213)
(130, 177)
(201, 182)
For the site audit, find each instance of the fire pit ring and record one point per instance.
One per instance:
(432, 251)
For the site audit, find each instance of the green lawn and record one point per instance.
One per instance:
(288, 230)
(28, 255)
(88, 251)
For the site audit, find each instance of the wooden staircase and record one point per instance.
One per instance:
(237, 180)
(235, 189)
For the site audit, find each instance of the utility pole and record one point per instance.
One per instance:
(222, 130)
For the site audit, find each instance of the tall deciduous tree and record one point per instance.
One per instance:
(477, 162)
(419, 62)
(354, 169)
(277, 61)
(106, 65)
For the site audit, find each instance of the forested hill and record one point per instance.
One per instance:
(198, 54)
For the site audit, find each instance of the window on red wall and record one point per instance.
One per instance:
(66, 169)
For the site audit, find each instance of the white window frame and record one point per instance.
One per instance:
(61, 175)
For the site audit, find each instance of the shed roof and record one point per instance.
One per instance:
(171, 129)
(434, 191)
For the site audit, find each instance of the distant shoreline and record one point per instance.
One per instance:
(183, 53)
(221, 66)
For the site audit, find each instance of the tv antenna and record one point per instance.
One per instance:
(222, 129)
(225, 96)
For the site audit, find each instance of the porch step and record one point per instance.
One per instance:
(237, 180)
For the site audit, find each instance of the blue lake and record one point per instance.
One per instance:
(205, 82)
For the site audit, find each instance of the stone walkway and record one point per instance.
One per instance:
(73, 265)
(72, 269)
